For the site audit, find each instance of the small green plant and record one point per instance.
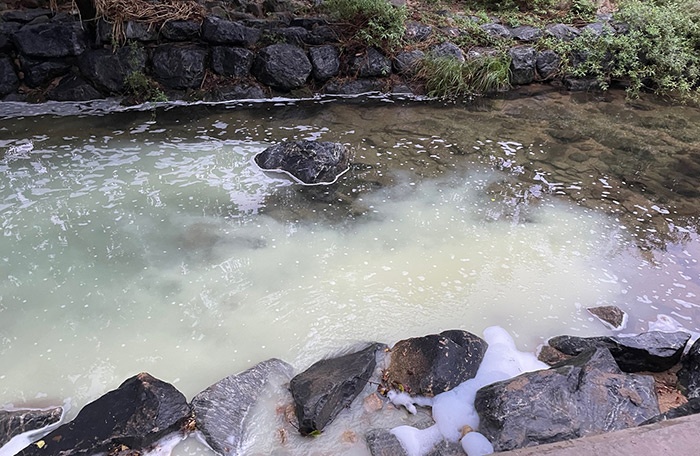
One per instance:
(374, 22)
(140, 88)
(451, 78)
(658, 52)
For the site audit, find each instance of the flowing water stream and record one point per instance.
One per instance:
(149, 241)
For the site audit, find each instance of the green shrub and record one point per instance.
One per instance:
(140, 88)
(450, 78)
(659, 52)
(375, 22)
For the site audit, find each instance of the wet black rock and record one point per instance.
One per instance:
(497, 31)
(51, 40)
(526, 33)
(435, 363)
(7, 30)
(282, 66)
(407, 62)
(9, 82)
(231, 61)
(25, 16)
(16, 422)
(547, 64)
(612, 316)
(581, 84)
(323, 390)
(241, 91)
(692, 407)
(179, 67)
(219, 31)
(652, 351)
(562, 32)
(222, 411)
(39, 72)
(522, 64)
(137, 414)
(599, 29)
(325, 62)
(371, 64)
(140, 31)
(109, 70)
(291, 35)
(689, 374)
(180, 30)
(447, 50)
(586, 395)
(74, 88)
(310, 162)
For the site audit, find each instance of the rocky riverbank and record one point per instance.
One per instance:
(438, 389)
(253, 51)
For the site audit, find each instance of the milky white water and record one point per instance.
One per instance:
(137, 242)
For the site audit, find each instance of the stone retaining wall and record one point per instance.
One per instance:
(56, 57)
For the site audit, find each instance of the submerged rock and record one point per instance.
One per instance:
(310, 162)
(652, 351)
(323, 390)
(222, 411)
(434, 363)
(586, 395)
(16, 422)
(134, 416)
(612, 316)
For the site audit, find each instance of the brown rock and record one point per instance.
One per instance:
(611, 316)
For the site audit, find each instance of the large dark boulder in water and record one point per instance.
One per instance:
(282, 66)
(310, 162)
(222, 411)
(653, 351)
(323, 390)
(586, 395)
(435, 363)
(136, 415)
(16, 422)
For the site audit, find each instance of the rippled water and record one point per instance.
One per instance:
(149, 241)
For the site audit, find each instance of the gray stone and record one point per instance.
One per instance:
(179, 67)
(140, 31)
(581, 84)
(9, 82)
(282, 66)
(140, 412)
(526, 33)
(291, 35)
(381, 442)
(417, 32)
(51, 40)
(222, 411)
(587, 395)
(522, 64)
(7, 30)
(325, 61)
(407, 62)
(109, 70)
(219, 31)
(435, 363)
(371, 64)
(231, 61)
(562, 32)
(689, 374)
(244, 91)
(310, 162)
(180, 30)
(355, 87)
(73, 88)
(447, 50)
(327, 387)
(38, 72)
(599, 29)
(652, 351)
(497, 31)
(547, 64)
(16, 422)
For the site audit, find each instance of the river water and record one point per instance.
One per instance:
(149, 241)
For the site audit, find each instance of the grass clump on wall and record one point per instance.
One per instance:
(657, 52)
(450, 78)
(374, 22)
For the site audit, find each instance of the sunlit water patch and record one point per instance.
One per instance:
(155, 244)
